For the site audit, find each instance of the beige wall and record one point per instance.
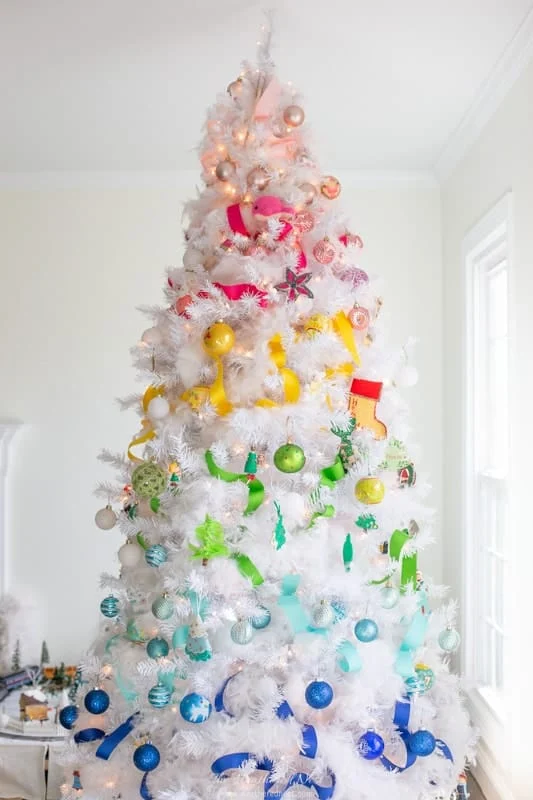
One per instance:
(75, 262)
(500, 161)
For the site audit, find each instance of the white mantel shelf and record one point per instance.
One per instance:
(7, 433)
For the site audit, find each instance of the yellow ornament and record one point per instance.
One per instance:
(318, 323)
(218, 339)
(370, 490)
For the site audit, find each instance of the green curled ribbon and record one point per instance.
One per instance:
(328, 477)
(408, 570)
(213, 545)
(256, 490)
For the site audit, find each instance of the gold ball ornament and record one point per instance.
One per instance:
(318, 323)
(324, 251)
(224, 170)
(294, 116)
(330, 187)
(309, 192)
(370, 491)
(218, 339)
(258, 178)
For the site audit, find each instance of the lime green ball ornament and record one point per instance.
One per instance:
(289, 458)
(148, 480)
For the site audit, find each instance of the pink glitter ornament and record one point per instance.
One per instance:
(182, 304)
(304, 221)
(324, 251)
(359, 318)
(357, 277)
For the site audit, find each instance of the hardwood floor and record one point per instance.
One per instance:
(475, 791)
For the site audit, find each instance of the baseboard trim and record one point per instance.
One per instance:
(489, 775)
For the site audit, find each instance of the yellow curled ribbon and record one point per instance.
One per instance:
(216, 394)
(147, 433)
(291, 384)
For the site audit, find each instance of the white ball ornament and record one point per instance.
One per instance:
(407, 376)
(158, 408)
(105, 518)
(192, 258)
(152, 337)
(130, 555)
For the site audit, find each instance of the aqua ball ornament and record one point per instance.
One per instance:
(370, 745)
(366, 630)
(96, 701)
(162, 607)
(319, 694)
(389, 596)
(261, 619)
(425, 676)
(68, 716)
(159, 696)
(109, 606)
(157, 648)
(195, 708)
(242, 632)
(449, 640)
(421, 743)
(148, 480)
(146, 757)
(156, 555)
(289, 458)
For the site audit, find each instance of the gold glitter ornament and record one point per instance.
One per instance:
(330, 187)
(370, 490)
(218, 339)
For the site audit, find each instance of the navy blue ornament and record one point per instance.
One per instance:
(146, 757)
(159, 696)
(109, 606)
(195, 707)
(421, 743)
(68, 716)
(156, 555)
(96, 701)
(371, 745)
(261, 618)
(319, 694)
(366, 630)
(157, 648)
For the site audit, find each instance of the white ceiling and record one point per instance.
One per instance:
(124, 84)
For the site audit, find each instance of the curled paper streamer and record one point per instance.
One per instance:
(291, 383)
(213, 545)
(402, 713)
(256, 490)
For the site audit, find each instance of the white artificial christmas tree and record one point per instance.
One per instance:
(270, 633)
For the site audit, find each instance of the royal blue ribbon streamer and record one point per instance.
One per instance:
(219, 697)
(88, 735)
(402, 713)
(143, 789)
(112, 740)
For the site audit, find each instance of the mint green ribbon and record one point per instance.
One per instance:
(256, 490)
(211, 537)
(125, 687)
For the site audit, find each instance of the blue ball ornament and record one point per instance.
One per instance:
(68, 716)
(421, 743)
(156, 555)
(371, 745)
(146, 757)
(96, 701)
(319, 694)
(261, 618)
(195, 707)
(366, 630)
(109, 606)
(159, 696)
(157, 648)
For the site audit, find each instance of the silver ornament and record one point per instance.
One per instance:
(105, 518)
(224, 170)
(294, 116)
(449, 640)
(242, 632)
(323, 615)
(389, 597)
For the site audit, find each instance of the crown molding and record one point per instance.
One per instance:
(511, 64)
(171, 179)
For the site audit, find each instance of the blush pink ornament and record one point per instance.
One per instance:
(304, 221)
(359, 318)
(357, 277)
(324, 251)
(270, 206)
(182, 304)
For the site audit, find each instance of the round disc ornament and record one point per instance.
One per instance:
(105, 518)
(195, 708)
(370, 491)
(289, 458)
(146, 757)
(148, 480)
(218, 339)
(319, 694)
(96, 701)
(330, 187)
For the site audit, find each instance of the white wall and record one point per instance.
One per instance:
(501, 160)
(75, 262)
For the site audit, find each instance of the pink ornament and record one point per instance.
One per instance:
(351, 240)
(324, 251)
(357, 277)
(359, 317)
(330, 187)
(182, 304)
(304, 221)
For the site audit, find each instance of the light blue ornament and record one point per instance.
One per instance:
(389, 596)
(414, 685)
(97, 701)
(323, 615)
(162, 607)
(195, 708)
(366, 630)
(198, 646)
(109, 606)
(421, 743)
(146, 757)
(261, 619)
(340, 610)
(242, 632)
(159, 696)
(156, 555)
(157, 648)
(449, 640)
(319, 694)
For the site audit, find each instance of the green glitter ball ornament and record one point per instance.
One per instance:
(289, 458)
(148, 480)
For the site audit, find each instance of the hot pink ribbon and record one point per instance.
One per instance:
(237, 225)
(236, 291)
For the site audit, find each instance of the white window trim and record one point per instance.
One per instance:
(487, 711)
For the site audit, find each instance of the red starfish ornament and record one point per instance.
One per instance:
(295, 285)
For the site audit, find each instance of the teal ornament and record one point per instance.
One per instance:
(162, 607)
(366, 630)
(414, 685)
(146, 757)
(148, 480)
(289, 458)
(198, 646)
(367, 522)
(250, 467)
(242, 632)
(156, 555)
(347, 552)
(109, 606)
(449, 640)
(339, 610)
(159, 696)
(157, 648)
(319, 694)
(426, 675)
(195, 708)
(389, 596)
(323, 615)
(261, 619)
(280, 534)
(421, 743)
(96, 701)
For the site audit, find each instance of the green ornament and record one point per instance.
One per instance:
(251, 463)
(148, 480)
(346, 451)
(367, 522)
(280, 537)
(347, 552)
(289, 458)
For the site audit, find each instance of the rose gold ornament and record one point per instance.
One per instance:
(323, 251)
(235, 89)
(330, 187)
(182, 303)
(294, 116)
(359, 317)
(258, 178)
(304, 222)
(224, 170)
(309, 192)
(279, 130)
